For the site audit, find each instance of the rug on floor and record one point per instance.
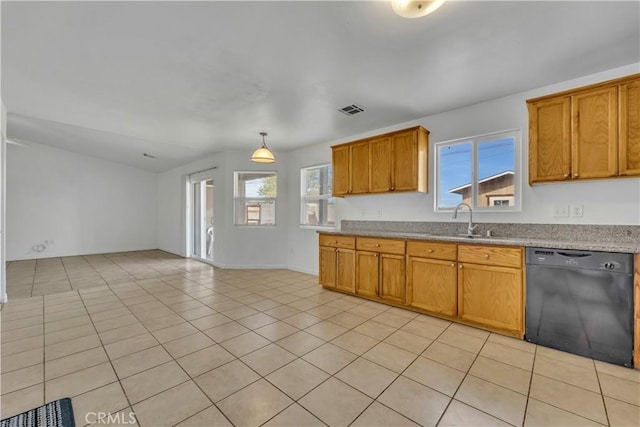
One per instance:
(58, 413)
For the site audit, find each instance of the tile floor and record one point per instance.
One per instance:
(152, 338)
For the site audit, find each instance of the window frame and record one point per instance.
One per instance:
(245, 201)
(516, 135)
(304, 198)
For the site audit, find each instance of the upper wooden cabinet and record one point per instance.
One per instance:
(391, 162)
(590, 132)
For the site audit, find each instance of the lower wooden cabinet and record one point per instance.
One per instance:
(475, 284)
(432, 285)
(491, 296)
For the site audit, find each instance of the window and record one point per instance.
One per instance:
(481, 171)
(318, 207)
(255, 198)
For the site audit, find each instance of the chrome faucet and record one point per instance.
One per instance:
(471, 227)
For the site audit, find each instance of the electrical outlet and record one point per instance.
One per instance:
(379, 213)
(362, 213)
(577, 211)
(561, 211)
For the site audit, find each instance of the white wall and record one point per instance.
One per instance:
(61, 203)
(3, 181)
(234, 246)
(613, 201)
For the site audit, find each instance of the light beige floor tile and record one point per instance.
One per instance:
(516, 343)
(439, 377)
(573, 359)
(469, 330)
(502, 374)
(329, 358)
(141, 361)
(618, 371)
(21, 400)
(254, 404)
(22, 378)
(297, 378)
(22, 333)
(244, 344)
(541, 414)
(210, 321)
(130, 345)
(367, 377)
(465, 342)
(375, 330)
(197, 313)
(508, 354)
(21, 323)
(497, 401)
(378, 415)
(75, 362)
(256, 320)
(335, 403)
(415, 401)
(120, 334)
(390, 357)
(205, 360)
(620, 389)
(355, 342)
(568, 373)
(267, 359)
(174, 332)
(326, 330)
(225, 380)
(152, 381)
(459, 414)
(621, 413)
(171, 406)
(408, 341)
(424, 329)
(570, 398)
(72, 322)
(300, 343)
(80, 382)
(189, 344)
(153, 325)
(226, 331)
(302, 320)
(209, 417)
(294, 416)
(107, 399)
(22, 360)
(239, 312)
(276, 331)
(22, 346)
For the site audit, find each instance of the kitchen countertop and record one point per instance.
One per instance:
(503, 241)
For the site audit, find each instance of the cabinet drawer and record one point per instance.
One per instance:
(444, 251)
(347, 242)
(490, 255)
(387, 246)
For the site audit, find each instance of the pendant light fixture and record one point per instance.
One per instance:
(263, 154)
(415, 8)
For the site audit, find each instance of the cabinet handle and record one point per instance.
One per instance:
(576, 175)
(566, 175)
(486, 256)
(453, 265)
(377, 245)
(375, 255)
(460, 266)
(430, 250)
(393, 188)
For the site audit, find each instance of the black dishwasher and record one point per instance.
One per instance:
(581, 302)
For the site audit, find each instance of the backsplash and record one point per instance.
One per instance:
(582, 232)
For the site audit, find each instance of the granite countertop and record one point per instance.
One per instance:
(623, 247)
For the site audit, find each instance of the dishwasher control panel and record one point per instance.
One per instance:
(590, 260)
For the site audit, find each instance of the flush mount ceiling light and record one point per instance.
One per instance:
(263, 154)
(415, 8)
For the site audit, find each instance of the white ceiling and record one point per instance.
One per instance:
(179, 80)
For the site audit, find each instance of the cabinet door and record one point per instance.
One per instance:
(346, 270)
(327, 266)
(629, 142)
(432, 285)
(367, 273)
(491, 296)
(381, 153)
(550, 140)
(405, 161)
(340, 165)
(359, 173)
(594, 133)
(392, 277)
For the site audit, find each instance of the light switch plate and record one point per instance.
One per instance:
(577, 211)
(561, 211)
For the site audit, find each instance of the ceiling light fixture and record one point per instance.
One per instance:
(415, 8)
(263, 154)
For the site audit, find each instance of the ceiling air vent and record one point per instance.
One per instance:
(352, 109)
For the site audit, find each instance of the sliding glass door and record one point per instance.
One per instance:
(202, 210)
